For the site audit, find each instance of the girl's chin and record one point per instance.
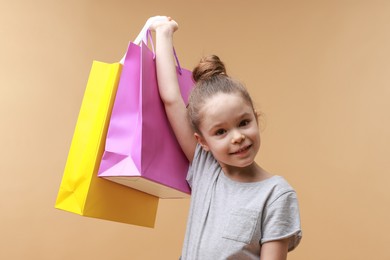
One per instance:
(238, 164)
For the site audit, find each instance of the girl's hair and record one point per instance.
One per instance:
(211, 78)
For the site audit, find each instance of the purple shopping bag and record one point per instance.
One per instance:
(141, 149)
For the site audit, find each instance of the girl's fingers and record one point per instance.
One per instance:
(169, 22)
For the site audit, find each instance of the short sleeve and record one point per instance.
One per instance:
(190, 175)
(193, 164)
(281, 220)
(202, 161)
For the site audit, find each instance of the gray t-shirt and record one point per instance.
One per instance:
(230, 220)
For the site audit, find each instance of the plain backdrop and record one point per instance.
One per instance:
(317, 70)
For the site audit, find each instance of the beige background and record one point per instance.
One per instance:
(318, 70)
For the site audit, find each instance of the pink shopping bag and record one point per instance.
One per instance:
(141, 149)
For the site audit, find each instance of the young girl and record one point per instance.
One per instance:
(238, 210)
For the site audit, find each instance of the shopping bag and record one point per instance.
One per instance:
(141, 149)
(81, 191)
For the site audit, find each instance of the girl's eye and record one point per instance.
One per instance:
(220, 132)
(244, 122)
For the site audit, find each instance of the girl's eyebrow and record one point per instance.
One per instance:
(216, 126)
(221, 124)
(243, 115)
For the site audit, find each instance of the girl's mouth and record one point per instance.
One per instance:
(242, 150)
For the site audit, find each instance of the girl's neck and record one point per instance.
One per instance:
(250, 173)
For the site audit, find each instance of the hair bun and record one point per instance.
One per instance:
(208, 67)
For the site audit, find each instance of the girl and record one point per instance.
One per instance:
(238, 210)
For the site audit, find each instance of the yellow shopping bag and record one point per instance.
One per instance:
(81, 191)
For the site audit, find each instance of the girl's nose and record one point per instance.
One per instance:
(238, 137)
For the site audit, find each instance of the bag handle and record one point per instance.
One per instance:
(146, 34)
(150, 38)
(177, 61)
(145, 29)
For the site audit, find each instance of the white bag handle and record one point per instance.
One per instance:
(142, 36)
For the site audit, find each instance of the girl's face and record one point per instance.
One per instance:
(229, 130)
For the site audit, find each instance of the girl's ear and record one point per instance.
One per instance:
(201, 141)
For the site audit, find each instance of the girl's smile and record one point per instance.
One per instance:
(242, 150)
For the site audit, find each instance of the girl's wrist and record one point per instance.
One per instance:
(165, 30)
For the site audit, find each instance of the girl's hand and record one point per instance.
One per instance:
(164, 24)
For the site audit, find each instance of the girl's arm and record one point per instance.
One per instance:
(169, 86)
(275, 250)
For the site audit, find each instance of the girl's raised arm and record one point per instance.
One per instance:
(169, 86)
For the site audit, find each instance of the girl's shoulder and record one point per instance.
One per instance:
(278, 188)
(279, 183)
